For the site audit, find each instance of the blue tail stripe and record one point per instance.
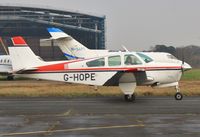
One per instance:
(54, 30)
(70, 56)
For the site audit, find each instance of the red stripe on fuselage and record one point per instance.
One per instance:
(56, 67)
(63, 67)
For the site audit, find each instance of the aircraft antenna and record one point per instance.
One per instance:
(125, 49)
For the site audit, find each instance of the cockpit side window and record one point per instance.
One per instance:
(131, 60)
(144, 57)
(114, 61)
(96, 63)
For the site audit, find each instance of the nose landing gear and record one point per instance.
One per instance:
(178, 95)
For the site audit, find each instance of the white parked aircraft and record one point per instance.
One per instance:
(6, 66)
(5, 63)
(73, 49)
(124, 69)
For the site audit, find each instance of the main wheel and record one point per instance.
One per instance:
(10, 77)
(129, 98)
(178, 96)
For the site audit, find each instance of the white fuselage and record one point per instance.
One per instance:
(78, 71)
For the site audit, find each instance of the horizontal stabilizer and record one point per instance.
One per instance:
(26, 70)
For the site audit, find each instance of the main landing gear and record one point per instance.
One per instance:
(10, 77)
(129, 98)
(178, 95)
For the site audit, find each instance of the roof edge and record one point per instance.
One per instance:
(50, 8)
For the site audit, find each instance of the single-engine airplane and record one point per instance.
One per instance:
(124, 69)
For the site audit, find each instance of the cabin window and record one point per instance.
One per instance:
(146, 58)
(1, 60)
(4, 60)
(131, 60)
(96, 63)
(114, 61)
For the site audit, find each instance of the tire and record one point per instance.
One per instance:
(178, 96)
(10, 77)
(129, 98)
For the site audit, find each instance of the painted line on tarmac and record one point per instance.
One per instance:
(72, 129)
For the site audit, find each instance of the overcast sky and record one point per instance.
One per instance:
(139, 24)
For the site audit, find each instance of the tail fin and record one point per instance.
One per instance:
(22, 56)
(70, 47)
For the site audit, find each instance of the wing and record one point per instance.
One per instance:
(5, 73)
(135, 75)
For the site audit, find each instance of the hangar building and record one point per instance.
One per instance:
(32, 22)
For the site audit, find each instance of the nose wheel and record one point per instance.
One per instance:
(129, 98)
(178, 95)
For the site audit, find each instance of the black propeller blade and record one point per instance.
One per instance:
(183, 60)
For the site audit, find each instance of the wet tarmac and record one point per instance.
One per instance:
(100, 117)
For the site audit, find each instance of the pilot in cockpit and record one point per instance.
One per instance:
(131, 60)
(128, 60)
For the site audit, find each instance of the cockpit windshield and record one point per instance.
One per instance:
(144, 57)
(170, 56)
